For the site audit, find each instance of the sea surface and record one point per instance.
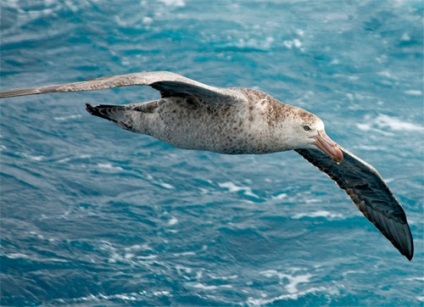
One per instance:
(92, 215)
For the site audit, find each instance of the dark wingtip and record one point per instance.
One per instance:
(410, 253)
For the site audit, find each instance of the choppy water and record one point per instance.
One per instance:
(95, 215)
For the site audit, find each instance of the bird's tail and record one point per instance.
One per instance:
(117, 114)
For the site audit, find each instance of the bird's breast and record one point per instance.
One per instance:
(225, 128)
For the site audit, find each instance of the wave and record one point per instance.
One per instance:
(383, 122)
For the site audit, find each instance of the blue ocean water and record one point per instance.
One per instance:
(93, 215)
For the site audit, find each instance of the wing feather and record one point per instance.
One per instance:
(168, 83)
(370, 194)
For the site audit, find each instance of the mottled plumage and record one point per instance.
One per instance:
(193, 115)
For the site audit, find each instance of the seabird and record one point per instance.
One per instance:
(193, 115)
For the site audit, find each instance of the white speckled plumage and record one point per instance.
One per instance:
(253, 123)
(193, 115)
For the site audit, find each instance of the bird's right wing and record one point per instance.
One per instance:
(369, 193)
(168, 83)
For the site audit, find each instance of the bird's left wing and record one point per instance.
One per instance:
(369, 193)
(168, 83)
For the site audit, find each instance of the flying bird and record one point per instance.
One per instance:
(193, 115)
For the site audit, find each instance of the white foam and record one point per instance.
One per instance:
(184, 254)
(178, 3)
(114, 255)
(204, 287)
(416, 278)
(72, 6)
(125, 297)
(161, 293)
(17, 256)
(148, 257)
(44, 259)
(293, 280)
(102, 297)
(147, 20)
(38, 235)
(34, 158)
(63, 118)
(321, 213)
(183, 270)
(413, 92)
(294, 43)
(167, 185)
(137, 247)
(383, 122)
(109, 166)
(300, 32)
(290, 283)
(234, 188)
(128, 256)
(387, 74)
(263, 43)
(280, 196)
(296, 280)
(291, 296)
(65, 160)
(207, 287)
(173, 221)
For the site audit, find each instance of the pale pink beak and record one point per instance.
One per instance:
(328, 146)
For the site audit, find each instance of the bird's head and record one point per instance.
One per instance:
(309, 132)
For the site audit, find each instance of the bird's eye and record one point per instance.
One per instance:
(306, 128)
